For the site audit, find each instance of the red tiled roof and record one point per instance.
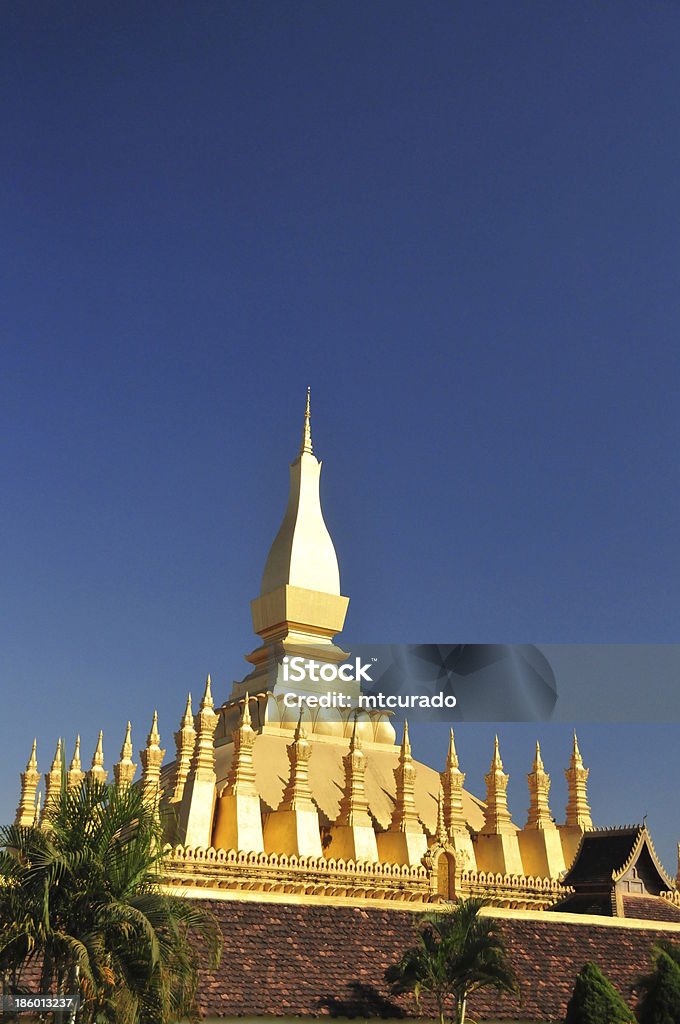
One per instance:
(285, 960)
(650, 908)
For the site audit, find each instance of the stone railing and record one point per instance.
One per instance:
(518, 892)
(281, 873)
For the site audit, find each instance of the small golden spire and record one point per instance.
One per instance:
(207, 701)
(153, 739)
(203, 757)
(36, 815)
(353, 809)
(306, 445)
(539, 816)
(75, 760)
(152, 759)
(126, 749)
(241, 779)
(185, 741)
(578, 810)
(56, 763)
(497, 820)
(405, 815)
(29, 784)
(124, 770)
(452, 781)
(297, 795)
(53, 781)
(97, 769)
(75, 772)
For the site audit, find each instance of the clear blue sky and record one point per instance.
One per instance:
(458, 222)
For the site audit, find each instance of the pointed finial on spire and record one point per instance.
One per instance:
(575, 749)
(300, 732)
(538, 760)
(56, 763)
(75, 760)
(306, 445)
(354, 741)
(126, 749)
(154, 737)
(496, 764)
(207, 701)
(188, 719)
(405, 742)
(33, 760)
(452, 756)
(97, 771)
(98, 756)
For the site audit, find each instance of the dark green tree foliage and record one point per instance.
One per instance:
(456, 953)
(81, 898)
(660, 1002)
(596, 1001)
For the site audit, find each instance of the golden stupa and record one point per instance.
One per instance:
(262, 800)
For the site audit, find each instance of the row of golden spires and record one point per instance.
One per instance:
(194, 748)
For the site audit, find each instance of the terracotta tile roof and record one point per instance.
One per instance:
(288, 960)
(650, 908)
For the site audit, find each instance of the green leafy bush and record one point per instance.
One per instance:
(596, 1001)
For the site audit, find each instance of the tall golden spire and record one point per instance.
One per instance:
(75, 773)
(354, 805)
(540, 816)
(185, 741)
(302, 554)
(306, 445)
(405, 816)
(578, 811)
(497, 820)
(452, 781)
(97, 772)
(152, 759)
(241, 780)
(124, 770)
(297, 795)
(29, 784)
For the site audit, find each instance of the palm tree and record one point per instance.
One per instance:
(457, 952)
(81, 897)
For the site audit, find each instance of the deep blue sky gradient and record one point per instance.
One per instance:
(458, 222)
